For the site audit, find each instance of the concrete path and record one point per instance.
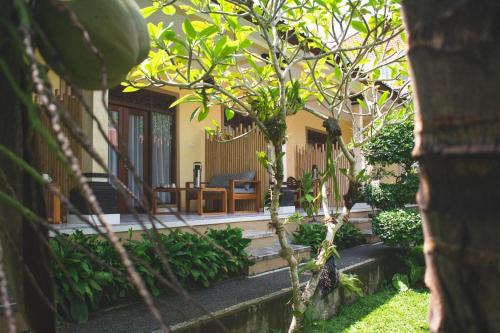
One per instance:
(136, 318)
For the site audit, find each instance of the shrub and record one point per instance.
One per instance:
(313, 234)
(400, 227)
(84, 285)
(392, 196)
(392, 145)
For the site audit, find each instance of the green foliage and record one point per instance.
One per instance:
(84, 285)
(307, 200)
(313, 234)
(414, 261)
(351, 284)
(402, 227)
(392, 145)
(400, 282)
(392, 196)
(348, 236)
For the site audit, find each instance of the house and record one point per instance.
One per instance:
(162, 142)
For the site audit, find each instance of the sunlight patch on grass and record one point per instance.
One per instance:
(384, 311)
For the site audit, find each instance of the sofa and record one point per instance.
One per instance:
(239, 186)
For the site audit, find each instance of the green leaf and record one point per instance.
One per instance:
(400, 282)
(95, 285)
(229, 113)
(168, 10)
(262, 157)
(359, 26)
(187, 99)
(79, 310)
(188, 29)
(204, 111)
(219, 46)
(130, 89)
(208, 31)
(148, 11)
(382, 99)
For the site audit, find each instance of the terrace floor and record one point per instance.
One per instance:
(129, 221)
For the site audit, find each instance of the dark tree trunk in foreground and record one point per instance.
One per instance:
(454, 52)
(25, 255)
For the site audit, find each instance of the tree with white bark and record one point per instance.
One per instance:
(271, 59)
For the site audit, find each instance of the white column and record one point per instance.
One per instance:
(357, 133)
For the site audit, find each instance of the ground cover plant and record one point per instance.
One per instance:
(195, 261)
(313, 234)
(402, 228)
(387, 310)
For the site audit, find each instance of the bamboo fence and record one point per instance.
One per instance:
(306, 157)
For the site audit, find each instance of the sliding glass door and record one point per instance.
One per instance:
(136, 155)
(146, 134)
(161, 153)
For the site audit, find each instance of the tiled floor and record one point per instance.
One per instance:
(128, 221)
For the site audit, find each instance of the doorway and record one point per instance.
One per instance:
(145, 132)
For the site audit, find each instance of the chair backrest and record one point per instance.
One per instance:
(292, 183)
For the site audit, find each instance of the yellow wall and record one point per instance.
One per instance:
(190, 137)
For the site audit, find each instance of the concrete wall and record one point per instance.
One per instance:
(272, 313)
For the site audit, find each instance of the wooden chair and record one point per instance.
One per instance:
(236, 193)
(293, 185)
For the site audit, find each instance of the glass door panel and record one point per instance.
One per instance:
(135, 144)
(113, 139)
(161, 153)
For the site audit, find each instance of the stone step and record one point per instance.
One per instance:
(370, 237)
(260, 238)
(361, 222)
(360, 214)
(267, 259)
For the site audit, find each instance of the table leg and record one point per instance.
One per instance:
(178, 197)
(224, 202)
(154, 203)
(199, 202)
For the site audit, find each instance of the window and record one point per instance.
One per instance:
(316, 138)
(237, 121)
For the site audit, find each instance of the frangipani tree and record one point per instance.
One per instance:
(264, 59)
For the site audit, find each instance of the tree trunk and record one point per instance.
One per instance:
(26, 258)
(454, 52)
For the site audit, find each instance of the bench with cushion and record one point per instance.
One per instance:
(239, 186)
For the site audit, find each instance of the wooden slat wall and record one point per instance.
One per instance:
(49, 163)
(306, 157)
(237, 156)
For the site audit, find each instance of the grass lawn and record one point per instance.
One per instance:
(385, 311)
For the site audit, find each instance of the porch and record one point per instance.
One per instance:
(264, 250)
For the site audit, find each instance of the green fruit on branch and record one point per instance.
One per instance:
(115, 27)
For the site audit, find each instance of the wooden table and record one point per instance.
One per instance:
(207, 193)
(176, 190)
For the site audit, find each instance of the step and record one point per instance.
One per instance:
(260, 238)
(370, 237)
(361, 222)
(267, 259)
(360, 213)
